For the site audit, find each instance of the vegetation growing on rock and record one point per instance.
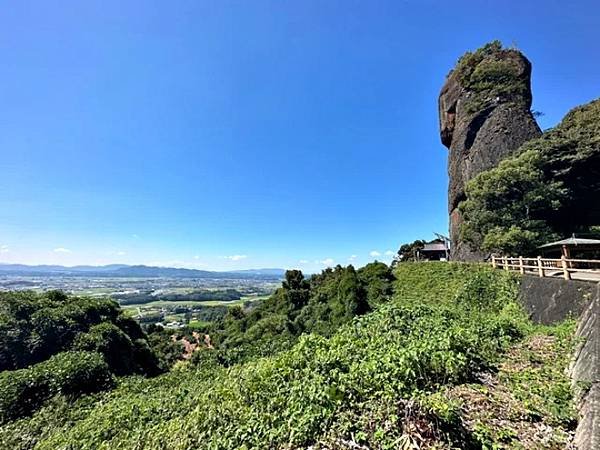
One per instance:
(491, 75)
(550, 189)
(485, 116)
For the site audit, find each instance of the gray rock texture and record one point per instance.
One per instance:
(552, 300)
(585, 374)
(484, 117)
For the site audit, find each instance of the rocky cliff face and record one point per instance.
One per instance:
(485, 116)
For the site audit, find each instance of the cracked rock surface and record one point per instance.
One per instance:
(484, 117)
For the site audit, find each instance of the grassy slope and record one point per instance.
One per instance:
(387, 380)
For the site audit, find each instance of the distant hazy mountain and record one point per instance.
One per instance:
(58, 269)
(141, 271)
(273, 272)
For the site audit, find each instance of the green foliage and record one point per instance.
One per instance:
(33, 327)
(380, 380)
(70, 373)
(549, 189)
(491, 74)
(123, 355)
(377, 279)
(166, 350)
(352, 297)
(296, 289)
(506, 207)
(319, 305)
(539, 380)
(359, 383)
(408, 252)
(57, 344)
(433, 281)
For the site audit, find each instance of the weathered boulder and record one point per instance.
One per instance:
(485, 116)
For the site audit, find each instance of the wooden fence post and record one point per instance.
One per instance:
(494, 262)
(565, 268)
(521, 268)
(506, 263)
(540, 267)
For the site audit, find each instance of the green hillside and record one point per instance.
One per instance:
(394, 378)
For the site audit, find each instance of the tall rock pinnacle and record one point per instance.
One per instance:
(485, 116)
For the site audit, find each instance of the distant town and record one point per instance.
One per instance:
(172, 301)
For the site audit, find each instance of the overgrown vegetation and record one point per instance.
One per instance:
(317, 305)
(57, 344)
(491, 74)
(549, 190)
(528, 402)
(377, 380)
(34, 327)
(69, 373)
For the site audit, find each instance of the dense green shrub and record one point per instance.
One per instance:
(317, 305)
(34, 327)
(54, 344)
(70, 373)
(164, 347)
(112, 343)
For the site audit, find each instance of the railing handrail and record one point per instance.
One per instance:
(566, 265)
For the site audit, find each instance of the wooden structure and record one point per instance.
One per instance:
(581, 269)
(571, 245)
(433, 251)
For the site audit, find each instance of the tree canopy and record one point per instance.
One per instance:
(550, 189)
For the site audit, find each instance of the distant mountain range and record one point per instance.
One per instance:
(139, 271)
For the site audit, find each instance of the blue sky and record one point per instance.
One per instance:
(225, 135)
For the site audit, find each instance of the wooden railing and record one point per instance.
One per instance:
(548, 267)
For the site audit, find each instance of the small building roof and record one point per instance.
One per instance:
(434, 247)
(572, 241)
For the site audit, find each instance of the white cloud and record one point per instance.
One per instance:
(4, 249)
(375, 253)
(121, 253)
(328, 262)
(236, 257)
(389, 253)
(61, 250)
(303, 261)
(352, 257)
(196, 257)
(135, 236)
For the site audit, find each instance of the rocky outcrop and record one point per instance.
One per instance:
(485, 116)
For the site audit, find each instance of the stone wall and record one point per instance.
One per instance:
(550, 300)
(585, 375)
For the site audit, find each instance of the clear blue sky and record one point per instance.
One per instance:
(221, 134)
